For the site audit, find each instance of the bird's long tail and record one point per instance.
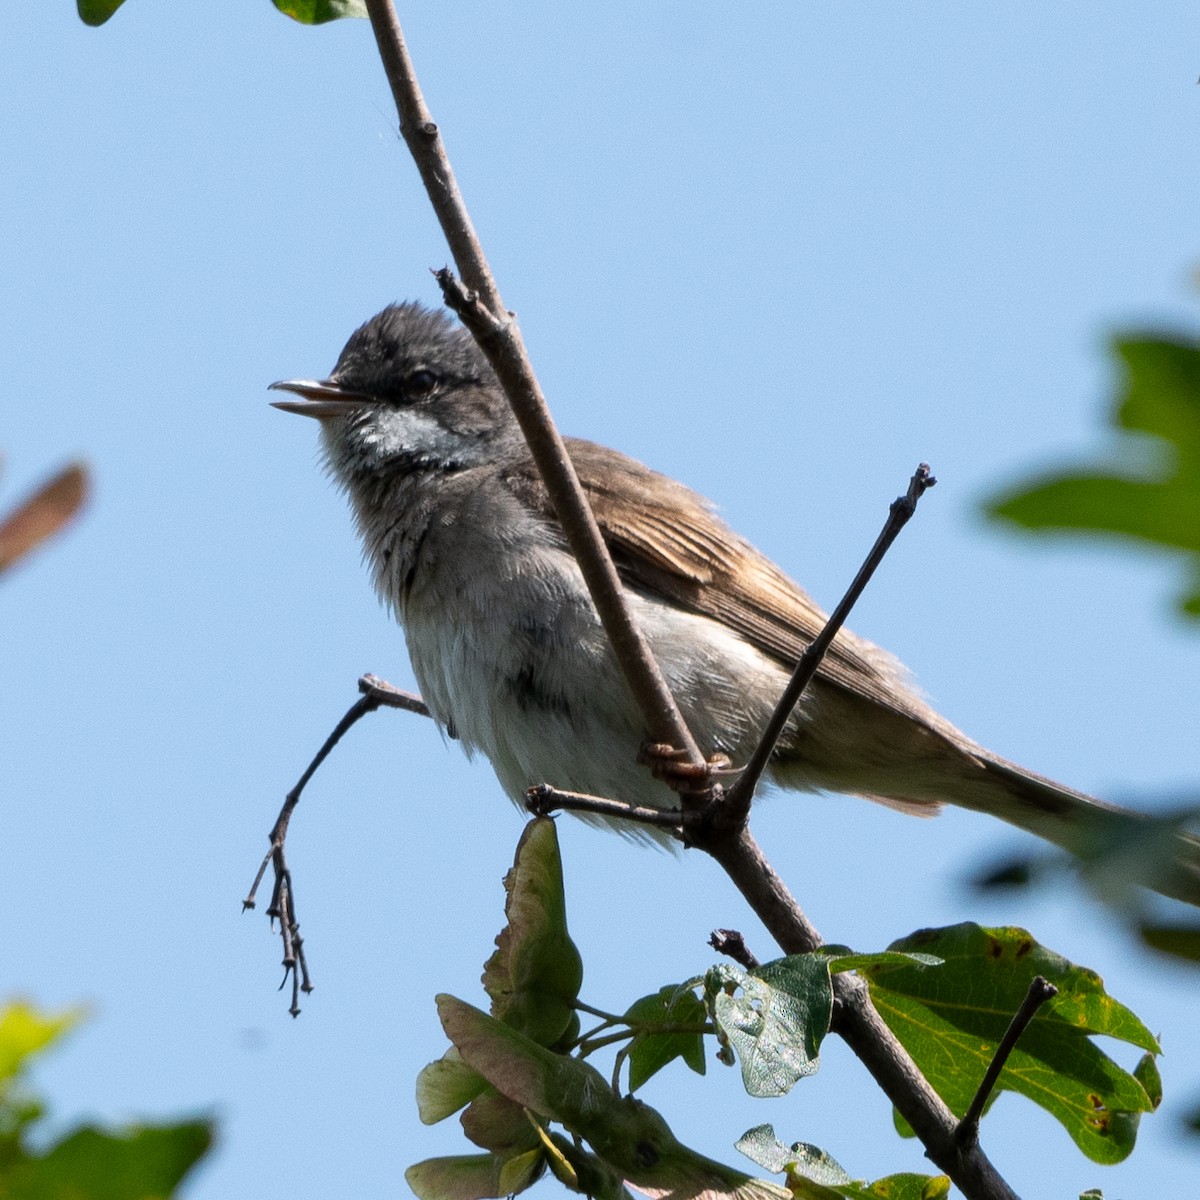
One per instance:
(1120, 846)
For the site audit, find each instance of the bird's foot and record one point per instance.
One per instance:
(670, 765)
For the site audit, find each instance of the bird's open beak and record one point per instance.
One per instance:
(318, 397)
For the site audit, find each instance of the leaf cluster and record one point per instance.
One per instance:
(531, 1101)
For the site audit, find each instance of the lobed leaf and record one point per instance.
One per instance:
(951, 1021)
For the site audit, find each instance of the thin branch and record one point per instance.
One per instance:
(543, 799)
(739, 796)
(482, 310)
(376, 693)
(1040, 990)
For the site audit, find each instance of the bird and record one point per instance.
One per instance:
(464, 549)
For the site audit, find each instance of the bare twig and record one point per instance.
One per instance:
(732, 944)
(543, 799)
(1040, 990)
(376, 693)
(738, 797)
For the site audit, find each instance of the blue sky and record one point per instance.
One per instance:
(783, 254)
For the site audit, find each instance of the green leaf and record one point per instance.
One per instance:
(145, 1162)
(24, 1031)
(849, 961)
(651, 1051)
(445, 1086)
(815, 1175)
(317, 12)
(1150, 493)
(457, 1177)
(96, 12)
(774, 1017)
(534, 976)
(951, 1020)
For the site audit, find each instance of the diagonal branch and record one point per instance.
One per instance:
(482, 310)
(737, 801)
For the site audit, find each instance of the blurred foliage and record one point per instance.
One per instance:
(42, 514)
(138, 1162)
(1115, 865)
(1147, 492)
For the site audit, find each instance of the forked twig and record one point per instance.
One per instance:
(728, 810)
(376, 693)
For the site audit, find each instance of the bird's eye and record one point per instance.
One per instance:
(420, 382)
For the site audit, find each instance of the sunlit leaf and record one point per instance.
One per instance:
(815, 1175)
(774, 1017)
(849, 961)
(951, 1020)
(445, 1086)
(24, 1030)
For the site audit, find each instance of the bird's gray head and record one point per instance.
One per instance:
(411, 391)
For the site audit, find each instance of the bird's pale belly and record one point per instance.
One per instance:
(547, 703)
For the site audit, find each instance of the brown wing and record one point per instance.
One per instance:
(666, 540)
